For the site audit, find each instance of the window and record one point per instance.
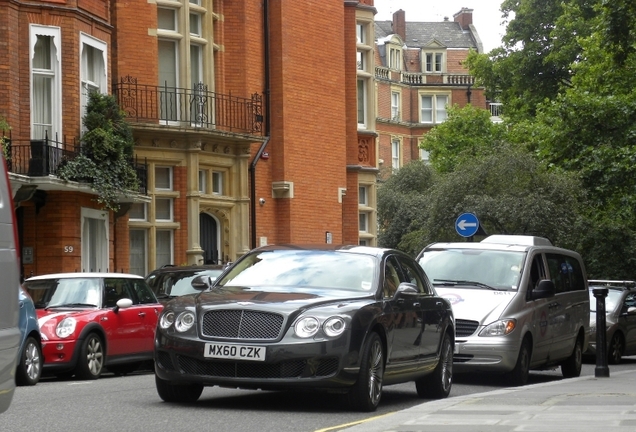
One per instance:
(217, 182)
(395, 106)
(138, 254)
(46, 101)
(361, 61)
(363, 199)
(138, 212)
(363, 243)
(361, 33)
(164, 248)
(565, 272)
(395, 154)
(195, 24)
(163, 178)
(433, 108)
(167, 19)
(395, 58)
(93, 69)
(362, 102)
(434, 62)
(94, 243)
(364, 222)
(425, 156)
(163, 209)
(203, 181)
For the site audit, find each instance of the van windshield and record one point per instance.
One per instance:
(480, 269)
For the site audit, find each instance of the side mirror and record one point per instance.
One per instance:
(122, 304)
(201, 283)
(407, 289)
(545, 289)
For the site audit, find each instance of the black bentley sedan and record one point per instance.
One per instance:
(342, 319)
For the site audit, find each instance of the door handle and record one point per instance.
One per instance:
(142, 314)
(416, 304)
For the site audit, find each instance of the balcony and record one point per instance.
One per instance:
(418, 78)
(195, 108)
(42, 158)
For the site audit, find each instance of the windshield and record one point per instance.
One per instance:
(326, 270)
(484, 269)
(64, 292)
(178, 283)
(611, 301)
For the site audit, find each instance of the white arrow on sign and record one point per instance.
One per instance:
(463, 224)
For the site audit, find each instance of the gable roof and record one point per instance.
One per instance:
(422, 34)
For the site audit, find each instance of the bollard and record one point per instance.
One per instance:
(602, 370)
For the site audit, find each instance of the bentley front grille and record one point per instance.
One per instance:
(242, 324)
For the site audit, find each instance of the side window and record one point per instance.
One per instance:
(114, 290)
(143, 292)
(412, 276)
(537, 272)
(630, 301)
(391, 278)
(565, 272)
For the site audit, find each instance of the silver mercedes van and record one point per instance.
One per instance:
(520, 303)
(9, 284)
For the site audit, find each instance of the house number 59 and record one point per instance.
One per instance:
(68, 249)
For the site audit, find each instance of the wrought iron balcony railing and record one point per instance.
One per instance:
(196, 108)
(41, 158)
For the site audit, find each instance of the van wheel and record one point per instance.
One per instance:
(616, 347)
(571, 368)
(519, 375)
(438, 384)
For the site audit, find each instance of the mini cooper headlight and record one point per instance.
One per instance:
(499, 328)
(306, 327)
(66, 327)
(184, 321)
(334, 326)
(166, 320)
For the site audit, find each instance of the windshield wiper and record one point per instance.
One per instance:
(452, 282)
(70, 305)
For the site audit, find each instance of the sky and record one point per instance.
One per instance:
(486, 15)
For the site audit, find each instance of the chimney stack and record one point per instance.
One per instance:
(399, 24)
(464, 17)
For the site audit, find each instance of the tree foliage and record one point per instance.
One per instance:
(106, 155)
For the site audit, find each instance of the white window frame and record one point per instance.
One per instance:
(425, 155)
(438, 63)
(101, 248)
(218, 180)
(438, 111)
(395, 105)
(362, 106)
(395, 58)
(363, 195)
(363, 222)
(144, 208)
(55, 73)
(170, 177)
(141, 254)
(396, 152)
(203, 181)
(170, 218)
(171, 247)
(87, 85)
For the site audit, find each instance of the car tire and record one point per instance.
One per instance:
(571, 367)
(437, 385)
(615, 349)
(366, 393)
(184, 393)
(29, 369)
(91, 360)
(519, 375)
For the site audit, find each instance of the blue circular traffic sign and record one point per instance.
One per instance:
(467, 225)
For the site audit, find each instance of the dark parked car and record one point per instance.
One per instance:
(346, 319)
(620, 319)
(30, 360)
(171, 281)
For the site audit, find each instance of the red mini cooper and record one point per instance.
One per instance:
(92, 321)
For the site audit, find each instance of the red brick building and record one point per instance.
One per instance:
(251, 121)
(419, 73)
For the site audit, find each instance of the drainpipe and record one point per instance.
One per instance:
(252, 169)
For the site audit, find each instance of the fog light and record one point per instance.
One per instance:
(59, 347)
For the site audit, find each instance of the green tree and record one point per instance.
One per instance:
(467, 132)
(107, 150)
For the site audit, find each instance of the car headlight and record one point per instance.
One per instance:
(166, 320)
(66, 327)
(307, 327)
(334, 326)
(184, 321)
(499, 328)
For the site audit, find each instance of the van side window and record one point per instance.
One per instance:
(537, 272)
(565, 272)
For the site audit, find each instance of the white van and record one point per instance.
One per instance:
(519, 303)
(9, 284)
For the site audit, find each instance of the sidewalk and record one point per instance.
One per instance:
(585, 404)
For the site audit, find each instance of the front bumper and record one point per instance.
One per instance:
(59, 355)
(491, 354)
(324, 364)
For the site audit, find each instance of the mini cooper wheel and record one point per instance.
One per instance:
(170, 392)
(615, 351)
(366, 393)
(571, 367)
(29, 368)
(91, 359)
(437, 385)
